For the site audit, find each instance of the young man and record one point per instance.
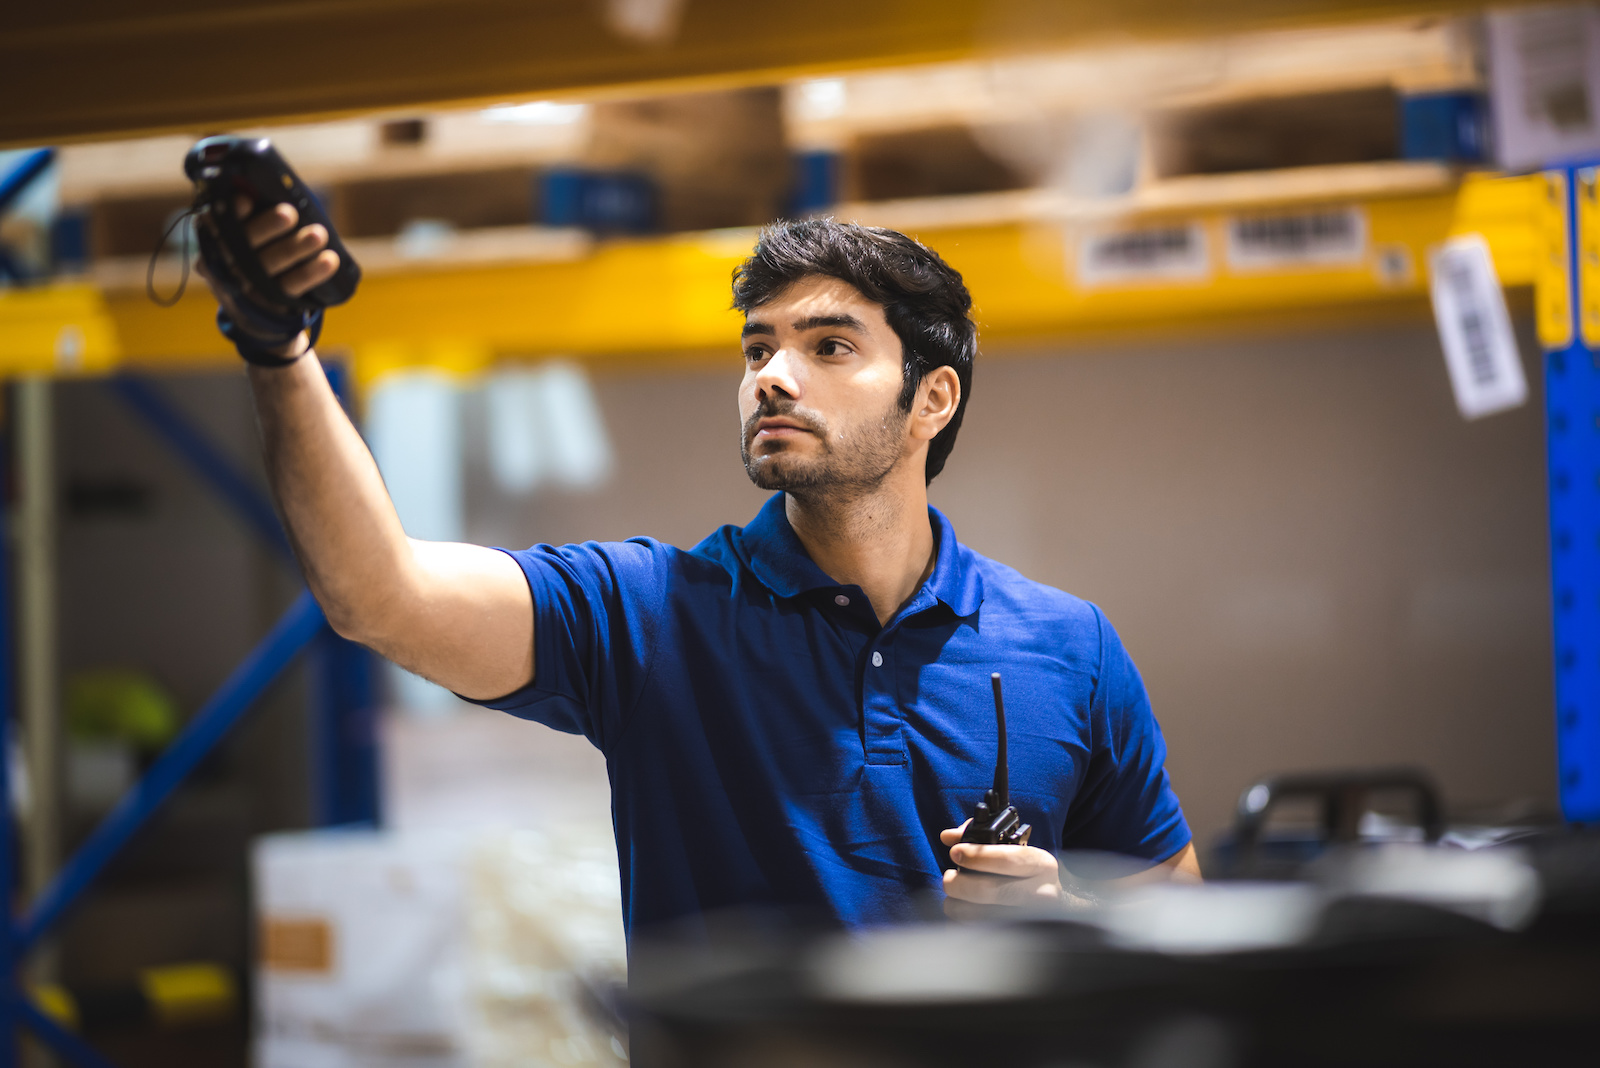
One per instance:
(795, 713)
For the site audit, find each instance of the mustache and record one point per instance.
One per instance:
(785, 409)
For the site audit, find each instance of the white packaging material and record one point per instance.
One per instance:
(545, 949)
(437, 949)
(1544, 78)
(358, 954)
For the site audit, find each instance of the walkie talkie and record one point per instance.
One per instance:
(995, 821)
(226, 168)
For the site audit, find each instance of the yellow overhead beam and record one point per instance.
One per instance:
(667, 298)
(101, 68)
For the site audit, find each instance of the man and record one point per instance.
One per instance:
(795, 713)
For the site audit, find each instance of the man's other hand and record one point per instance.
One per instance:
(991, 876)
(996, 875)
(299, 259)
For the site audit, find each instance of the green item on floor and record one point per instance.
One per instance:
(120, 704)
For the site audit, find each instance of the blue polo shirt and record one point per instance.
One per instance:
(770, 744)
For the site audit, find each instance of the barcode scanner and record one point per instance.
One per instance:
(226, 168)
(995, 821)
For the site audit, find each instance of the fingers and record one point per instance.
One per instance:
(979, 888)
(299, 259)
(972, 912)
(296, 261)
(1013, 860)
(997, 875)
(286, 252)
(953, 835)
(270, 225)
(967, 912)
(310, 275)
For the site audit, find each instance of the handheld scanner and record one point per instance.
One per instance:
(226, 168)
(995, 821)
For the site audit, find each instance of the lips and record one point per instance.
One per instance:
(779, 428)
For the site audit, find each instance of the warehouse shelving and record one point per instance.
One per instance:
(343, 774)
(476, 297)
(531, 293)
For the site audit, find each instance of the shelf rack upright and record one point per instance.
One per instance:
(344, 754)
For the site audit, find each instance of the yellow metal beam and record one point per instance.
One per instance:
(99, 68)
(668, 298)
(57, 329)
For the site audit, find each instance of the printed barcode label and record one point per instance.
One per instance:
(1324, 236)
(1475, 330)
(1153, 252)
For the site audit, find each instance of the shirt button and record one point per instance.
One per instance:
(841, 600)
(877, 660)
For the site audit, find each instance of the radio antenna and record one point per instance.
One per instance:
(1002, 774)
(994, 821)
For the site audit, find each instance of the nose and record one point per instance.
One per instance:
(779, 375)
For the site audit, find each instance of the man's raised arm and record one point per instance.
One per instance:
(460, 615)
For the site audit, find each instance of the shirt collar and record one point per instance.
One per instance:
(776, 558)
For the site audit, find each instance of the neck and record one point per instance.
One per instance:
(879, 539)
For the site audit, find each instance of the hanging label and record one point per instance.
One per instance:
(1323, 236)
(1151, 253)
(1475, 330)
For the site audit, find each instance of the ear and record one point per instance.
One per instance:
(938, 397)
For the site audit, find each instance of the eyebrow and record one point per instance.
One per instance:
(813, 323)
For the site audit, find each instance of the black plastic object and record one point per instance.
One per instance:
(995, 821)
(226, 168)
(1342, 797)
(1377, 982)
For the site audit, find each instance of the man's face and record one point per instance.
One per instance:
(818, 405)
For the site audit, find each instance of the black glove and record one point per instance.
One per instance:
(262, 331)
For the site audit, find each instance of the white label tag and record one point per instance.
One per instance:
(1474, 328)
(1156, 253)
(1324, 236)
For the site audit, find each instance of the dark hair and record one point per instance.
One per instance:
(923, 298)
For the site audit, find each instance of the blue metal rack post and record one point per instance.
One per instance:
(20, 177)
(346, 786)
(1569, 312)
(345, 783)
(12, 185)
(344, 755)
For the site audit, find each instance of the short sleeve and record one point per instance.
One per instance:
(597, 613)
(1126, 804)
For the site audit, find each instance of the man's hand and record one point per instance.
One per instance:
(298, 259)
(996, 875)
(993, 876)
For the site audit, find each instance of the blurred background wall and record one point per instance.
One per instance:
(1312, 558)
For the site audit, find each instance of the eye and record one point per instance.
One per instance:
(834, 347)
(755, 353)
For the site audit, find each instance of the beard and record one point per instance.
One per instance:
(847, 462)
